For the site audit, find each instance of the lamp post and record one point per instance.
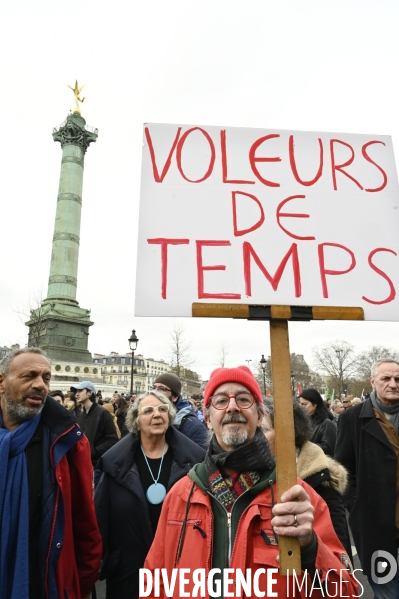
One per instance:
(133, 341)
(339, 353)
(249, 363)
(293, 384)
(263, 363)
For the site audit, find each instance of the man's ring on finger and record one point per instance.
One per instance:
(295, 521)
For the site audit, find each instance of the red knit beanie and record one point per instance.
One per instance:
(241, 374)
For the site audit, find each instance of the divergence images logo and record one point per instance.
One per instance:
(383, 567)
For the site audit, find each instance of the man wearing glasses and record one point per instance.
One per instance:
(347, 403)
(186, 420)
(368, 447)
(226, 512)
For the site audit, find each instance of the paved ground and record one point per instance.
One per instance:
(367, 592)
(100, 590)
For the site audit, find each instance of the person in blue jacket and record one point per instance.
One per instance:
(186, 420)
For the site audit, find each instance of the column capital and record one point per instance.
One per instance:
(73, 131)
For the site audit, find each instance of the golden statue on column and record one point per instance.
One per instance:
(76, 91)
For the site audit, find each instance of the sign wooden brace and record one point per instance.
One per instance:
(289, 549)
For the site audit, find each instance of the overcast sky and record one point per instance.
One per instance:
(303, 65)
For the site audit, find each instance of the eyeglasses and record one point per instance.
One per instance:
(147, 410)
(160, 388)
(243, 400)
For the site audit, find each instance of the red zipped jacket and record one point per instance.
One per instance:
(253, 546)
(70, 545)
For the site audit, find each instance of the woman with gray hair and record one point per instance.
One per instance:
(137, 473)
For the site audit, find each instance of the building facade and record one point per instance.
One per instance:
(116, 369)
(191, 382)
(153, 369)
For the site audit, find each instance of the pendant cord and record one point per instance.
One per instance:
(160, 465)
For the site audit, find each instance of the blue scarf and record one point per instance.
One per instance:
(14, 510)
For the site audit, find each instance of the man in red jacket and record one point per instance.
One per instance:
(226, 515)
(50, 545)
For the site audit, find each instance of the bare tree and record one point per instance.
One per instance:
(180, 357)
(222, 356)
(34, 316)
(179, 347)
(377, 352)
(339, 362)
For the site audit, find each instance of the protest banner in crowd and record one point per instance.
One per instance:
(267, 217)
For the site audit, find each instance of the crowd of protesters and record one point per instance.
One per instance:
(174, 476)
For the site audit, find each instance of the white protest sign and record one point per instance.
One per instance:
(258, 216)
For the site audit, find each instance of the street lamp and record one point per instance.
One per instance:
(133, 341)
(339, 353)
(293, 383)
(263, 363)
(248, 362)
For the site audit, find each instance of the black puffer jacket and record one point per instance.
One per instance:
(324, 435)
(329, 479)
(120, 419)
(122, 510)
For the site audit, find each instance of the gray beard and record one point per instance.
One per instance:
(19, 413)
(234, 436)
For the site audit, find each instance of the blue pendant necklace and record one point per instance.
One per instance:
(155, 492)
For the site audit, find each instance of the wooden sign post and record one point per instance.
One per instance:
(290, 555)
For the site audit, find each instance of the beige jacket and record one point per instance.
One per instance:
(312, 459)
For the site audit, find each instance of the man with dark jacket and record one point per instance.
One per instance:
(95, 421)
(186, 418)
(50, 543)
(368, 447)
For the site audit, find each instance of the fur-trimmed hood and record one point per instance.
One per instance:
(312, 460)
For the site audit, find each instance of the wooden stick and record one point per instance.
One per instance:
(220, 310)
(268, 312)
(337, 313)
(290, 553)
(279, 315)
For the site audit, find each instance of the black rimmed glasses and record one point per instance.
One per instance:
(160, 388)
(222, 400)
(147, 410)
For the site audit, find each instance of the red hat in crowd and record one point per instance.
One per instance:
(241, 374)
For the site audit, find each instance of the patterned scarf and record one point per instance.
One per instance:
(246, 461)
(228, 489)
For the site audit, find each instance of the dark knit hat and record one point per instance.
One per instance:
(241, 374)
(170, 380)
